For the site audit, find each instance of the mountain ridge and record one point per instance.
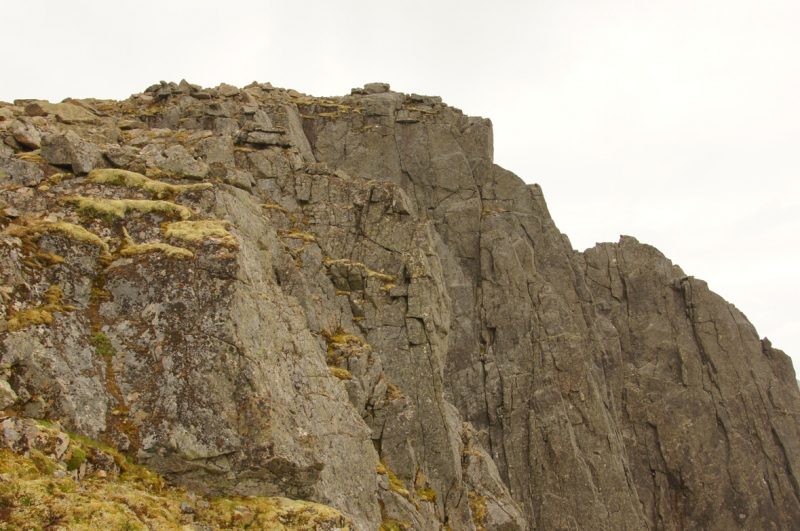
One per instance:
(343, 300)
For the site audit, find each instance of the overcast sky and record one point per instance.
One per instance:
(677, 122)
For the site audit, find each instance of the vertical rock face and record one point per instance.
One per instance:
(707, 410)
(344, 300)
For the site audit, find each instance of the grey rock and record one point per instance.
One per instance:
(25, 133)
(217, 149)
(386, 292)
(217, 109)
(5, 151)
(7, 113)
(376, 88)
(267, 139)
(7, 395)
(19, 172)
(64, 112)
(227, 91)
(120, 157)
(69, 149)
(180, 162)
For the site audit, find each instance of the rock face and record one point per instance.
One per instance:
(255, 291)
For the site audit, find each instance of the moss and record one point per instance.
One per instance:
(52, 302)
(296, 235)
(271, 206)
(492, 211)
(32, 498)
(157, 247)
(342, 345)
(477, 505)
(76, 460)
(390, 524)
(47, 259)
(328, 262)
(423, 111)
(31, 156)
(59, 228)
(98, 294)
(427, 495)
(393, 392)
(130, 248)
(342, 374)
(27, 318)
(111, 208)
(102, 345)
(58, 177)
(131, 179)
(394, 483)
(196, 231)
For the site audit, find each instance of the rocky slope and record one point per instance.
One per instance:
(258, 292)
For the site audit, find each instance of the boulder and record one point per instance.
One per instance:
(64, 112)
(26, 133)
(69, 149)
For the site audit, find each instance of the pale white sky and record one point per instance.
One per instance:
(677, 122)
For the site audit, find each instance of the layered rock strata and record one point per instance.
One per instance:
(343, 300)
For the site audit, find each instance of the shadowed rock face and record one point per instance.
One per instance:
(360, 309)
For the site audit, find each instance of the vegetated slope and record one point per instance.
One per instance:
(258, 292)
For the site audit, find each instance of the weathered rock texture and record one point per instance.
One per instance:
(254, 291)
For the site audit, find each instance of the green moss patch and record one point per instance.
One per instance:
(102, 345)
(39, 493)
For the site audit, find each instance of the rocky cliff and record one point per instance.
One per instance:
(258, 292)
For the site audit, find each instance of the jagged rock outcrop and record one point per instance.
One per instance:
(255, 291)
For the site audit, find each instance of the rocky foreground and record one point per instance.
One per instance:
(254, 292)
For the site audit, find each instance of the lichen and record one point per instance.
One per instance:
(109, 208)
(131, 179)
(196, 231)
